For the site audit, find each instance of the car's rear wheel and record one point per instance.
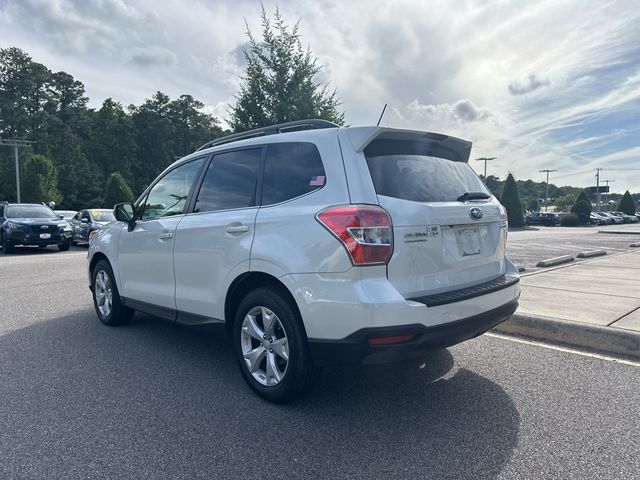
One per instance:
(7, 246)
(271, 346)
(106, 298)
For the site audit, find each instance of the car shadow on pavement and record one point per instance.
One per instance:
(153, 399)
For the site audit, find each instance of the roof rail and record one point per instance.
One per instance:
(310, 124)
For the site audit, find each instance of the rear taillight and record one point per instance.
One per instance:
(364, 230)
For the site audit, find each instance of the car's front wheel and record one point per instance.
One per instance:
(7, 246)
(64, 246)
(106, 298)
(271, 346)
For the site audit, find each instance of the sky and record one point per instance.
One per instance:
(538, 85)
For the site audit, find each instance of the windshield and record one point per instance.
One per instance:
(29, 211)
(102, 216)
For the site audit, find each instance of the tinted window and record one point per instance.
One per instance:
(169, 195)
(230, 181)
(291, 170)
(417, 172)
(29, 211)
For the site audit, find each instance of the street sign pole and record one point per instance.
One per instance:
(15, 144)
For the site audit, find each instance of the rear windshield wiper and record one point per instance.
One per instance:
(473, 196)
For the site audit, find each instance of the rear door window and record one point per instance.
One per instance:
(291, 169)
(419, 171)
(230, 181)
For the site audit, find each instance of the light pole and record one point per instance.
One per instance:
(546, 193)
(485, 160)
(15, 144)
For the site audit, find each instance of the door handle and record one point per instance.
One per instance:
(238, 229)
(166, 235)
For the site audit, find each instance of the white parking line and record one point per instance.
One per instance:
(564, 349)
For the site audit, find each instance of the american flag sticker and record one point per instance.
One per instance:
(317, 181)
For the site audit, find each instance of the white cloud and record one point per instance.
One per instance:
(539, 85)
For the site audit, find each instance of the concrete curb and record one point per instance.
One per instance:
(591, 253)
(550, 262)
(620, 232)
(615, 341)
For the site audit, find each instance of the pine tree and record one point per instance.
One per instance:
(627, 204)
(511, 201)
(582, 208)
(278, 83)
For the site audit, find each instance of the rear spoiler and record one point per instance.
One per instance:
(426, 143)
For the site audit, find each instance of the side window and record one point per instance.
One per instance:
(169, 196)
(291, 170)
(230, 181)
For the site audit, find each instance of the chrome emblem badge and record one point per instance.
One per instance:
(475, 213)
(45, 227)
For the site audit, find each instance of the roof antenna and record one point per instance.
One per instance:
(383, 109)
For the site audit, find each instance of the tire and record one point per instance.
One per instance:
(64, 246)
(7, 246)
(297, 373)
(104, 289)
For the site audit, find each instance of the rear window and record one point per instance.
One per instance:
(291, 169)
(418, 172)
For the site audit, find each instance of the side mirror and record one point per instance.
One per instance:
(125, 212)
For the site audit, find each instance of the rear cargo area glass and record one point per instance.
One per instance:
(419, 171)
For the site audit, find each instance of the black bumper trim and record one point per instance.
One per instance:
(500, 283)
(356, 349)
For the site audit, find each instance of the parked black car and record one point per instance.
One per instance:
(88, 220)
(547, 219)
(32, 224)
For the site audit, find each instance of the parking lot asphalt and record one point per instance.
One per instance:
(156, 400)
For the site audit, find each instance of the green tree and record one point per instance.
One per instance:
(117, 190)
(582, 208)
(111, 144)
(278, 83)
(564, 203)
(511, 201)
(39, 180)
(533, 205)
(627, 205)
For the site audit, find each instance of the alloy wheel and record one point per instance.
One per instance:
(265, 347)
(103, 293)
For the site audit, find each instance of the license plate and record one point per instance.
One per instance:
(45, 235)
(469, 241)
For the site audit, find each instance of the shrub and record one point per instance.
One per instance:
(117, 190)
(511, 201)
(569, 220)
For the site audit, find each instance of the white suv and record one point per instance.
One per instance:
(314, 245)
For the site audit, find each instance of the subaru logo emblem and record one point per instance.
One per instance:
(475, 213)
(45, 227)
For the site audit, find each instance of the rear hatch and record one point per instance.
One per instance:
(449, 232)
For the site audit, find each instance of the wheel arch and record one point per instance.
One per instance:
(247, 282)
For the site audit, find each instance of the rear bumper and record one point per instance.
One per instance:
(355, 349)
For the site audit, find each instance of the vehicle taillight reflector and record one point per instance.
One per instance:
(364, 230)
(390, 340)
